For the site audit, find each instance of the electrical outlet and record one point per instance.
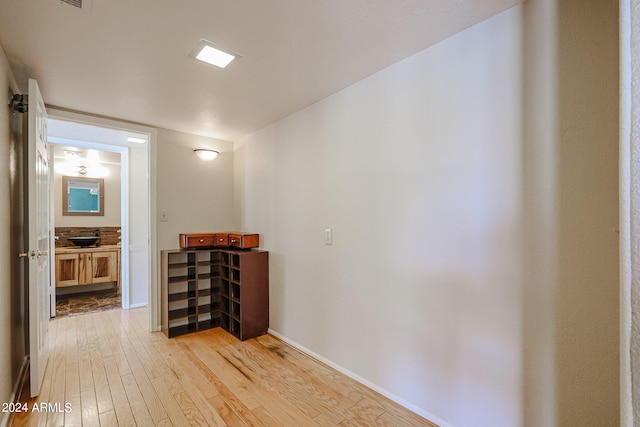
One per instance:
(164, 216)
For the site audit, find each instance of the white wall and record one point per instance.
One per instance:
(474, 204)
(417, 171)
(112, 214)
(6, 374)
(197, 195)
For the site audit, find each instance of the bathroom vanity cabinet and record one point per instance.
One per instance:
(87, 266)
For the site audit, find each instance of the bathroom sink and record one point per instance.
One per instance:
(84, 242)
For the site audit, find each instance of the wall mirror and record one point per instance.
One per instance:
(82, 196)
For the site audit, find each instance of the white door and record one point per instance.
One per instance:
(38, 231)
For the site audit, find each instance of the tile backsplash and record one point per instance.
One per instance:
(108, 235)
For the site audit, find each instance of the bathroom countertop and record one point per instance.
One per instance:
(76, 249)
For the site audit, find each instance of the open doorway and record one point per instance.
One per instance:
(87, 223)
(131, 144)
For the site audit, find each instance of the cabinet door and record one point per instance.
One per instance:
(67, 269)
(84, 268)
(104, 267)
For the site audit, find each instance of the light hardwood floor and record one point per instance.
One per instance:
(110, 371)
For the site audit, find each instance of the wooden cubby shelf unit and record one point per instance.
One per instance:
(209, 288)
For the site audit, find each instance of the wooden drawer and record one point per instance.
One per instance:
(221, 239)
(197, 240)
(210, 240)
(244, 241)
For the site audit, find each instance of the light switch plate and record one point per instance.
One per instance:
(328, 236)
(164, 216)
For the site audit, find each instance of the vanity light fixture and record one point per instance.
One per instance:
(206, 154)
(206, 52)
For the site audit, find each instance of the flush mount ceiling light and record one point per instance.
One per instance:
(205, 51)
(206, 154)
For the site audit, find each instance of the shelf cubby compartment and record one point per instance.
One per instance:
(224, 258)
(208, 258)
(224, 321)
(180, 279)
(235, 291)
(180, 258)
(234, 260)
(182, 313)
(203, 292)
(224, 305)
(179, 296)
(235, 274)
(182, 286)
(213, 322)
(224, 287)
(207, 274)
(181, 327)
(181, 266)
(235, 309)
(235, 328)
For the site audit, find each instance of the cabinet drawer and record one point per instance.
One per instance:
(244, 241)
(221, 239)
(197, 240)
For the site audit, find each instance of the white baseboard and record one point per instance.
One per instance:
(413, 408)
(142, 304)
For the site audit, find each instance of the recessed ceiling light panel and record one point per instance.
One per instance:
(205, 51)
(84, 5)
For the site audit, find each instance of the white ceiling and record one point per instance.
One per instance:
(61, 152)
(128, 59)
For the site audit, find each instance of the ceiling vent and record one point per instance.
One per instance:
(84, 5)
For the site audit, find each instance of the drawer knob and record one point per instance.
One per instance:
(201, 240)
(233, 240)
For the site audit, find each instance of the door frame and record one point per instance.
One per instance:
(629, 146)
(153, 292)
(123, 150)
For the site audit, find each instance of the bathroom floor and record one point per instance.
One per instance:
(87, 302)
